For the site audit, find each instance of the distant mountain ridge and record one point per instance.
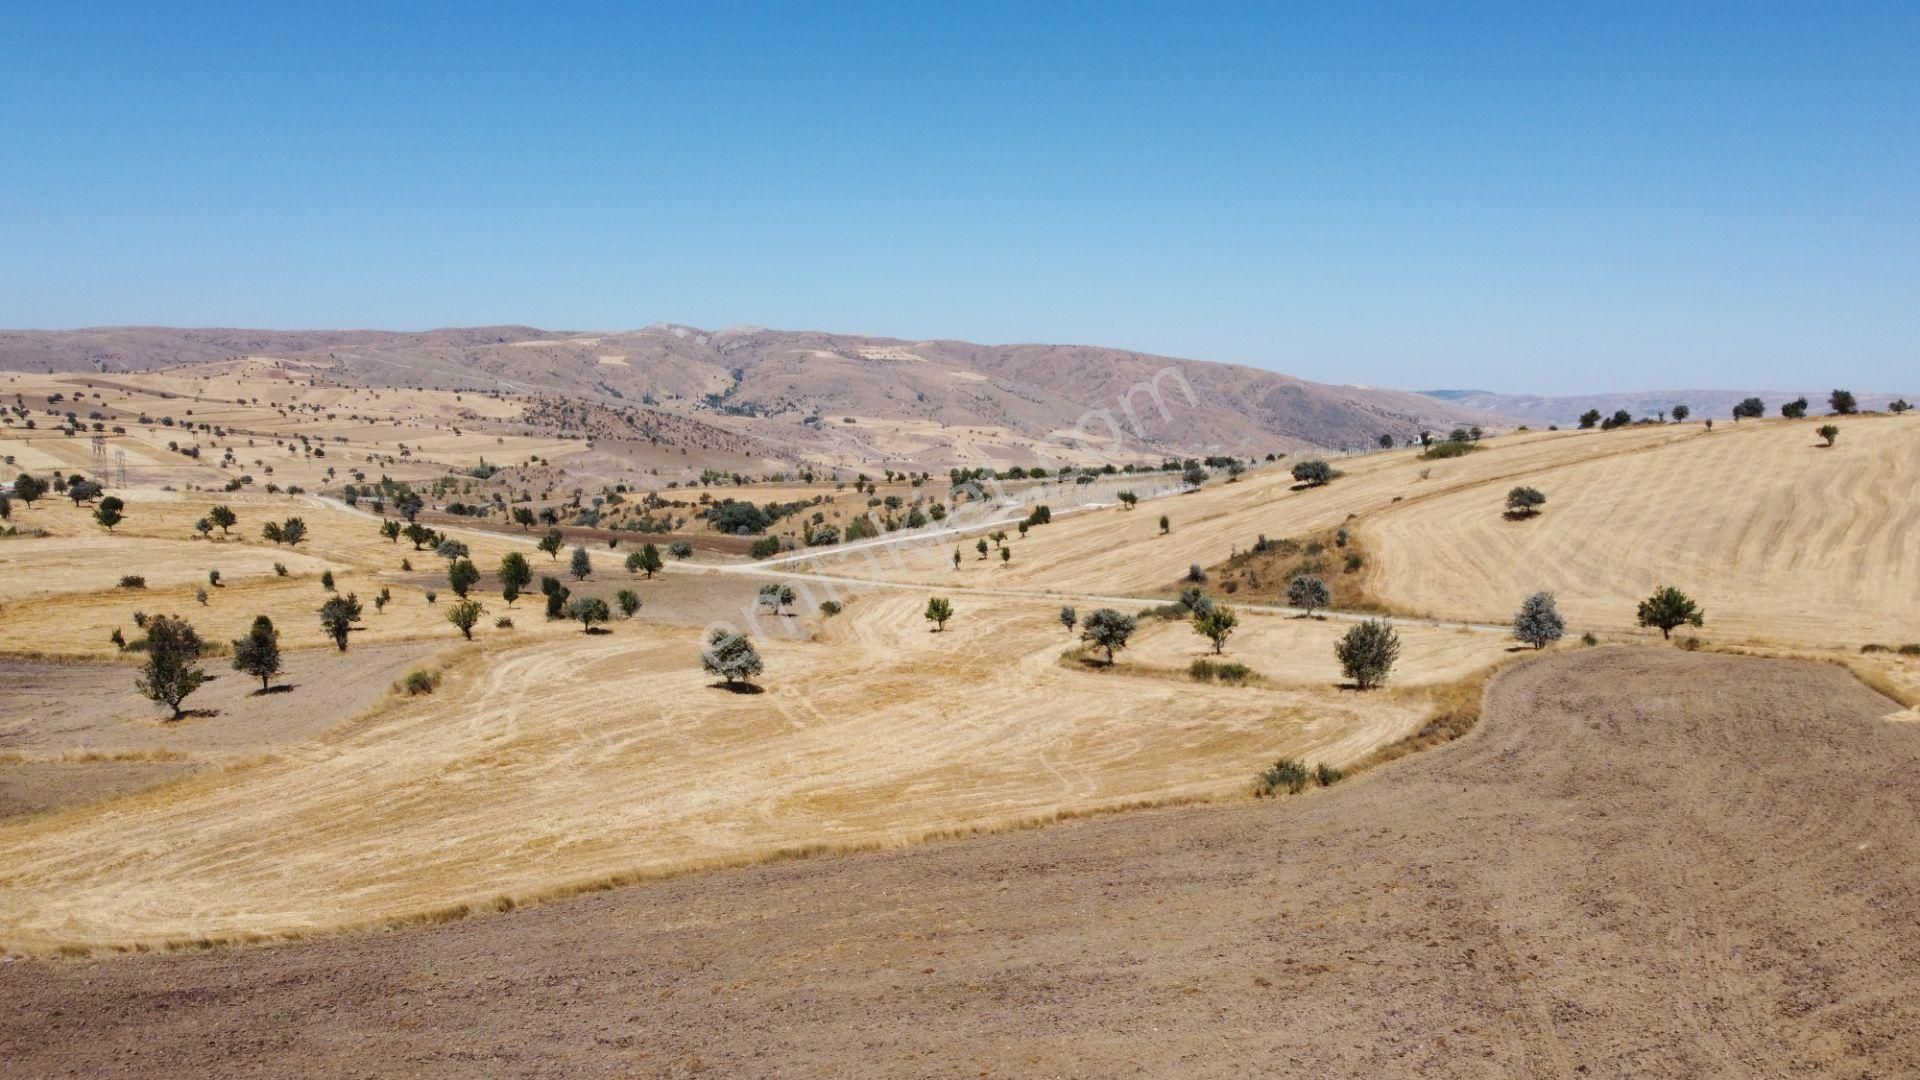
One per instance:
(787, 384)
(1566, 410)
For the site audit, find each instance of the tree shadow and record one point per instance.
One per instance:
(596, 631)
(283, 688)
(192, 714)
(736, 688)
(1521, 515)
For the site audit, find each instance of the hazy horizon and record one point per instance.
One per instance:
(1507, 199)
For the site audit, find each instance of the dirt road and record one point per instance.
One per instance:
(1645, 862)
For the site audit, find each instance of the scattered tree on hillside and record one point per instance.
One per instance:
(1750, 408)
(1216, 624)
(1524, 502)
(337, 617)
(1194, 475)
(1166, 526)
(1068, 617)
(1313, 473)
(29, 489)
(1667, 608)
(731, 656)
(1680, 413)
(1589, 418)
(1843, 402)
(650, 562)
(1795, 409)
(1829, 432)
(465, 615)
(417, 534)
(629, 602)
(515, 575)
(1898, 406)
(581, 565)
(258, 654)
(1308, 593)
(587, 610)
(109, 512)
(680, 549)
(172, 669)
(1128, 499)
(1368, 651)
(939, 610)
(462, 576)
(1620, 418)
(390, 529)
(556, 595)
(82, 491)
(293, 530)
(981, 547)
(551, 543)
(1538, 622)
(451, 550)
(1108, 629)
(1386, 442)
(523, 517)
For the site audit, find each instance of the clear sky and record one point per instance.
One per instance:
(1522, 197)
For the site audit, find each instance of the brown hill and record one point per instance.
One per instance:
(787, 386)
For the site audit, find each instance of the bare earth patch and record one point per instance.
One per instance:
(1644, 862)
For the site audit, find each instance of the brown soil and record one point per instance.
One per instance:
(40, 786)
(1643, 862)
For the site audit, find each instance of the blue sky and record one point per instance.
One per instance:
(1521, 197)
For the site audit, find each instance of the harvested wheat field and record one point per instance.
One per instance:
(1643, 862)
(535, 770)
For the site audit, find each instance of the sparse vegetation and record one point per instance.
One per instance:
(939, 610)
(1368, 652)
(1109, 630)
(465, 615)
(1669, 608)
(258, 654)
(172, 669)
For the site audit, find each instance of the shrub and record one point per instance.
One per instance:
(1588, 639)
(1313, 472)
(629, 602)
(280, 569)
(1326, 775)
(1910, 649)
(132, 581)
(1308, 593)
(466, 615)
(1792, 410)
(1829, 432)
(1204, 670)
(1538, 622)
(829, 608)
(765, 548)
(1691, 644)
(680, 549)
(1525, 502)
(504, 622)
(1195, 573)
(1108, 629)
(1368, 651)
(420, 682)
(1288, 774)
(1449, 449)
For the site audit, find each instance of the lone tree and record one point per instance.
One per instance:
(223, 517)
(1589, 418)
(1524, 502)
(1386, 442)
(1368, 651)
(646, 560)
(258, 654)
(587, 610)
(390, 529)
(1068, 617)
(337, 617)
(582, 564)
(1751, 408)
(1312, 473)
(28, 489)
(109, 512)
(1108, 629)
(1216, 624)
(293, 530)
(939, 610)
(1308, 593)
(550, 543)
(1795, 409)
(1667, 608)
(1128, 499)
(1680, 413)
(172, 670)
(731, 656)
(1538, 622)
(556, 595)
(1843, 402)
(462, 576)
(1829, 432)
(515, 575)
(629, 602)
(1898, 406)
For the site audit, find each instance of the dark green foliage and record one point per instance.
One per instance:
(1308, 593)
(462, 576)
(939, 610)
(1312, 472)
(337, 617)
(1368, 651)
(258, 654)
(1109, 630)
(1843, 402)
(172, 669)
(1525, 502)
(1668, 608)
(731, 656)
(587, 610)
(1538, 622)
(581, 565)
(1287, 774)
(629, 602)
(515, 575)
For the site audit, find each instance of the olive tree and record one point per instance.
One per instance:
(731, 656)
(587, 610)
(337, 617)
(465, 615)
(1308, 593)
(581, 565)
(1829, 432)
(1525, 502)
(629, 602)
(939, 610)
(258, 654)
(1068, 617)
(1216, 624)
(515, 575)
(1668, 608)
(1312, 472)
(1108, 629)
(1538, 622)
(172, 669)
(1368, 651)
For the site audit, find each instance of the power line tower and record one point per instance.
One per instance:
(100, 457)
(120, 459)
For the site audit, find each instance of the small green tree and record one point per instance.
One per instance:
(29, 489)
(337, 617)
(581, 566)
(587, 610)
(1680, 414)
(258, 654)
(629, 602)
(1166, 526)
(731, 656)
(939, 610)
(1538, 622)
(1313, 472)
(551, 543)
(556, 595)
(465, 615)
(462, 576)
(1216, 624)
(1829, 432)
(1843, 402)
(223, 517)
(1668, 608)
(650, 561)
(172, 668)
(1128, 499)
(450, 550)
(326, 580)
(1068, 617)
(515, 575)
(390, 529)
(981, 547)
(1749, 408)
(1525, 502)
(293, 530)
(1308, 593)
(1590, 418)
(1109, 630)
(110, 512)
(1795, 409)
(1368, 651)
